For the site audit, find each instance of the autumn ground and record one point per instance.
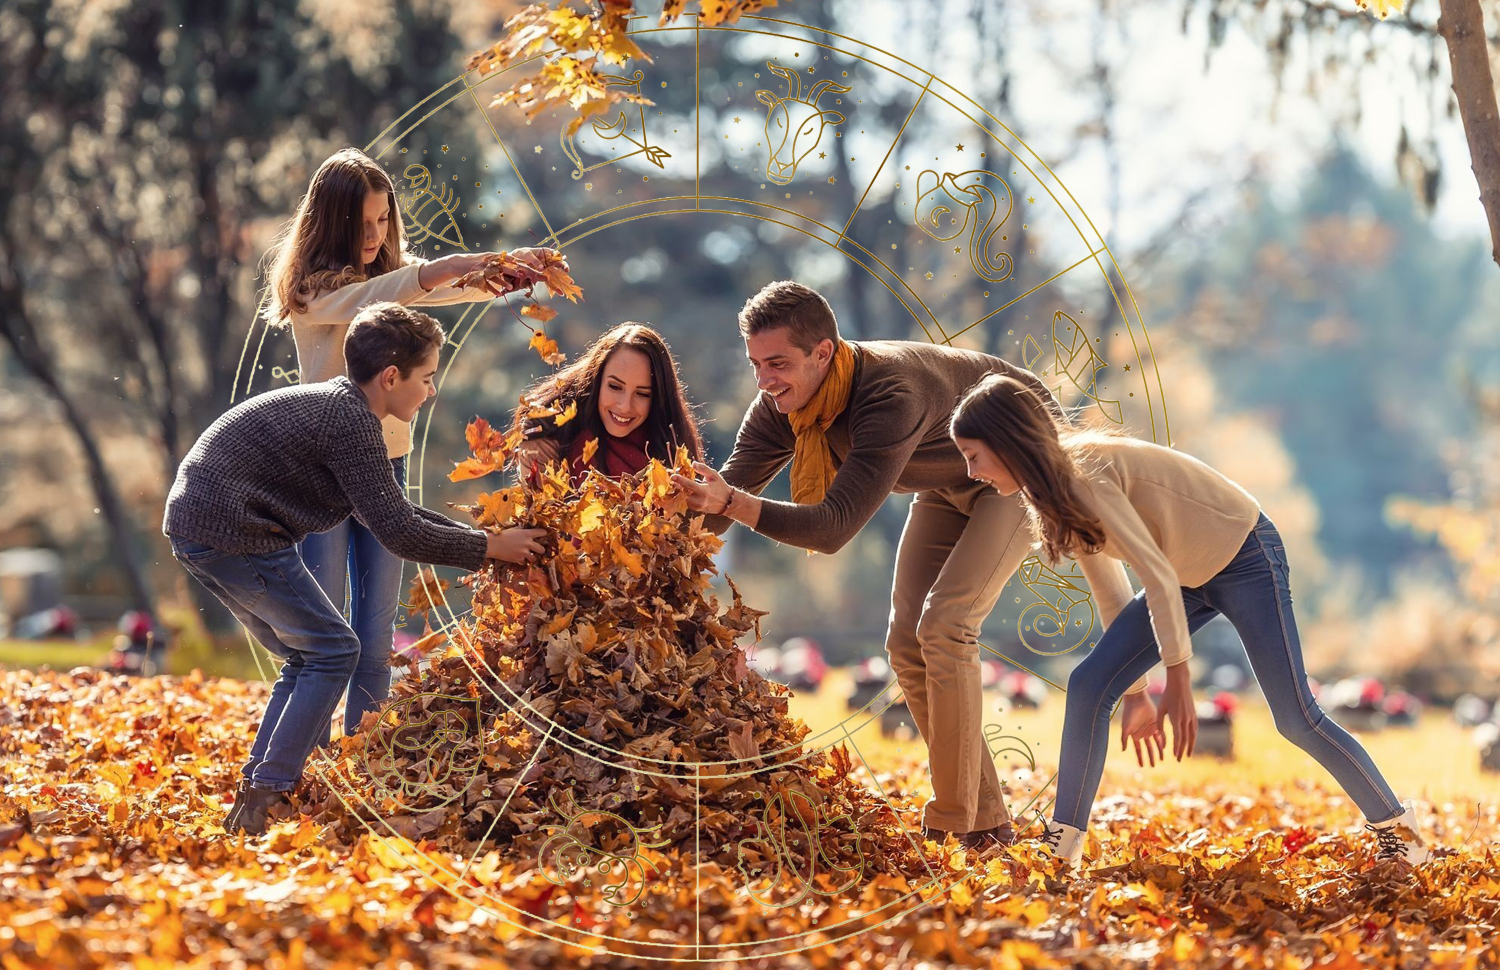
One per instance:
(110, 855)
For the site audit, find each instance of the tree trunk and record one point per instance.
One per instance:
(1462, 27)
(17, 331)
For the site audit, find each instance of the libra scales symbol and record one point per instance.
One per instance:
(621, 128)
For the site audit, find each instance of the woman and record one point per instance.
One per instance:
(631, 408)
(1202, 547)
(345, 248)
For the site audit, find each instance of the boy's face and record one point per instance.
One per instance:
(404, 396)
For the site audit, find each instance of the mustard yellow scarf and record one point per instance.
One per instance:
(812, 460)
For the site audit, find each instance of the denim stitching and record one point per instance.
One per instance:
(1094, 717)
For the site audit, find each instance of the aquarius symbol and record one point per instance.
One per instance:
(422, 192)
(1072, 362)
(1061, 606)
(571, 858)
(423, 751)
(794, 124)
(787, 833)
(995, 742)
(619, 128)
(280, 373)
(970, 192)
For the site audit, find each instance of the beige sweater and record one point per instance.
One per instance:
(1175, 520)
(319, 333)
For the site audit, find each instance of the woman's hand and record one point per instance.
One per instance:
(1138, 724)
(533, 455)
(1177, 703)
(710, 493)
(515, 545)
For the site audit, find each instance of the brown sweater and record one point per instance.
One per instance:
(892, 437)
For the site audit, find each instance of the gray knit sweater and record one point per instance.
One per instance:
(302, 459)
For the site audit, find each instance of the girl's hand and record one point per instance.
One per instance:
(1177, 703)
(1138, 723)
(708, 494)
(515, 545)
(533, 455)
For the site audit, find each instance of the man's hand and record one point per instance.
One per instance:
(515, 545)
(1138, 724)
(710, 493)
(1177, 704)
(533, 455)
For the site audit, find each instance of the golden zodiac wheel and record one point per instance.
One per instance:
(786, 132)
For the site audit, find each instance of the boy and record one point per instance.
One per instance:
(299, 460)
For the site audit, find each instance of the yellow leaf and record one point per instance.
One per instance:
(470, 468)
(568, 414)
(590, 448)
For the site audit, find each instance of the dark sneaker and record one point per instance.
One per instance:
(258, 803)
(239, 804)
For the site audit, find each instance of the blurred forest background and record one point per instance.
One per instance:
(1311, 266)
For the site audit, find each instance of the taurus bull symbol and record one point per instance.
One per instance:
(794, 124)
(947, 194)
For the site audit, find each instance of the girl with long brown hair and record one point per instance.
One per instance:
(345, 248)
(1202, 547)
(630, 401)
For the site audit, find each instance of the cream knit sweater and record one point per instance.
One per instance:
(319, 333)
(1175, 520)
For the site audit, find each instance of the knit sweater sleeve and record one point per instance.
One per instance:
(883, 434)
(1128, 533)
(357, 458)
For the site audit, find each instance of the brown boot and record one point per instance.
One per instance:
(982, 840)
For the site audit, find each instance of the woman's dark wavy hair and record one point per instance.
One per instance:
(1041, 452)
(668, 424)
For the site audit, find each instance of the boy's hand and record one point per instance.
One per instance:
(1138, 723)
(514, 545)
(1177, 703)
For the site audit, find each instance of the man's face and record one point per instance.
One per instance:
(786, 372)
(406, 395)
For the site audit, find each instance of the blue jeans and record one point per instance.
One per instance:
(282, 606)
(364, 579)
(1253, 593)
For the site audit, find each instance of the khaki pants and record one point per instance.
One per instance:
(958, 549)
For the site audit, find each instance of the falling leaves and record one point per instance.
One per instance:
(578, 50)
(546, 348)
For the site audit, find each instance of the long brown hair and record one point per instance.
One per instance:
(319, 249)
(1041, 453)
(670, 421)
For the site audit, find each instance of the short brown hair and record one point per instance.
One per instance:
(798, 308)
(386, 334)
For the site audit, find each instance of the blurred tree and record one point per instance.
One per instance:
(145, 147)
(1342, 42)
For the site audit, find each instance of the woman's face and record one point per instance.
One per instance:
(625, 391)
(985, 466)
(377, 218)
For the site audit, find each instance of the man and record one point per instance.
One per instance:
(298, 460)
(859, 420)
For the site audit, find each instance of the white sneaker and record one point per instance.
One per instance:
(1063, 840)
(1399, 838)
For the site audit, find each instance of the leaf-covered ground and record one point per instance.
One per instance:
(111, 855)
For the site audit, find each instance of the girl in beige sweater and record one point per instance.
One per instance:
(1202, 548)
(344, 249)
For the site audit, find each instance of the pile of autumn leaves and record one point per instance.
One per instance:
(606, 677)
